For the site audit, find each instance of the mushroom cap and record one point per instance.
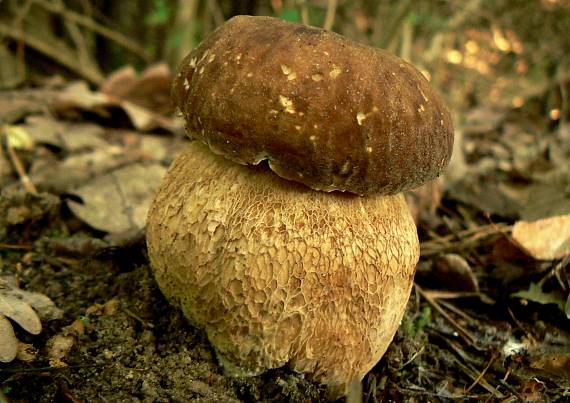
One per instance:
(278, 274)
(321, 109)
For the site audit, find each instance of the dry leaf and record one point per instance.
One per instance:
(119, 201)
(535, 294)
(150, 90)
(21, 313)
(58, 347)
(545, 239)
(79, 98)
(23, 308)
(454, 273)
(8, 341)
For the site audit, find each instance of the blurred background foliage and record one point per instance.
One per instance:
(507, 53)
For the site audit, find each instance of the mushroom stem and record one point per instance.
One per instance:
(279, 274)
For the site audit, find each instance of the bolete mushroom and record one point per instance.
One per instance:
(312, 267)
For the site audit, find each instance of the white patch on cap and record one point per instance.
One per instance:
(204, 56)
(335, 71)
(291, 75)
(287, 104)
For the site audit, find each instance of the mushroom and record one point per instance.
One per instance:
(310, 268)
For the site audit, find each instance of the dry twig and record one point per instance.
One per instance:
(94, 26)
(468, 238)
(469, 338)
(330, 16)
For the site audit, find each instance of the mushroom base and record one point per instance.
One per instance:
(279, 274)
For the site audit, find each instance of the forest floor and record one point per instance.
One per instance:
(488, 318)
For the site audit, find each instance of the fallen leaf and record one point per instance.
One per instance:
(454, 273)
(485, 195)
(21, 313)
(27, 352)
(545, 239)
(23, 308)
(58, 347)
(150, 90)
(78, 98)
(8, 341)
(118, 201)
(536, 294)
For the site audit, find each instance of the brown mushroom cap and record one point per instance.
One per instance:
(321, 109)
(278, 274)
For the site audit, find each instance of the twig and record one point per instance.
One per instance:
(47, 369)
(458, 311)
(412, 358)
(304, 11)
(481, 381)
(403, 10)
(216, 12)
(16, 247)
(461, 294)
(89, 23)
(330, 15)
(78, 39)
(462, 240)
(19, 167)
(482, 374)
(52, 52)
(469, 338)
(512, 390)
(138, 318)
(183, 29)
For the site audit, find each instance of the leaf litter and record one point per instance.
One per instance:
(24, 308)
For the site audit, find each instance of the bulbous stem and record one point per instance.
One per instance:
(279, 274)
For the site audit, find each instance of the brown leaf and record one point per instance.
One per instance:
(17, 304)
(118, 201)
(78, 98)
(150, 90)
(20, 312)
(454, 273)
(58, 347)
(8, 341)
(545, 239)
